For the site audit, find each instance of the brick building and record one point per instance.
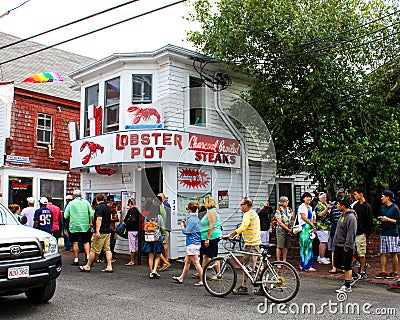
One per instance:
(36, 123)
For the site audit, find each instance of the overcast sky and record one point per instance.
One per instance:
(142, 34)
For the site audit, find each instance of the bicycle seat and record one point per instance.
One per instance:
(268, 245)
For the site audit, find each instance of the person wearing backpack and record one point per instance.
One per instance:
(132, 222)
(153, 244)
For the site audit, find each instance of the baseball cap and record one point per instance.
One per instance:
(389, 194)
(69, 197)
(31, 200)
(43, 200)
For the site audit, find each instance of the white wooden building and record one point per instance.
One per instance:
(150, 124)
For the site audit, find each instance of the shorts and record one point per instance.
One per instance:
(80, 236)
(323, 236)
(361, 245)
(331, 246)
(250, 260)
(389, 244)
(283, 238)
(133, 241)
(212, 250)
(343, 259)
(193, 249)
(102, 244)
(264, 237)
(153, 247)
(56, 234)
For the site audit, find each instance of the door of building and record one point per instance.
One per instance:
(19, 189)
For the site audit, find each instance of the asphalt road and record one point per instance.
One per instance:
(128, 293)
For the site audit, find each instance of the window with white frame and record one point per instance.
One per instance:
(141, 88)
(91, 98)
(197, 102)
(44, 129)
(53, 188)
(111, 108)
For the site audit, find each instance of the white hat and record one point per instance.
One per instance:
(43, 200)
(31, 200)
(69, 197)
(77, 192)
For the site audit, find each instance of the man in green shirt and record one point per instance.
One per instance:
(80, 215)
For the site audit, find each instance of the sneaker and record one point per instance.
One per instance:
(344, 289)
(391, 275)
(363, 275)
(380, 275)
(241, 291)
(75, 263)
(394, 286)
(355, 279)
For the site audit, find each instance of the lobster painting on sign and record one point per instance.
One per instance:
(143, 117)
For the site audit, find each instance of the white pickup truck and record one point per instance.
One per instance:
(29, 259)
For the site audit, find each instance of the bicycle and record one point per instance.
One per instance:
(279, 280)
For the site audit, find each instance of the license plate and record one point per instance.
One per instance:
(18, 272)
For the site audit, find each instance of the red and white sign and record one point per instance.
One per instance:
(193, 179)
(155, 146)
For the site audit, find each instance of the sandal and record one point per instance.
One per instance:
(199, 284)
(82, 269)
(177, 279)
(129, 264)
(108, 270)
(332, 271)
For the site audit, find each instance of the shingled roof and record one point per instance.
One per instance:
(45, 61)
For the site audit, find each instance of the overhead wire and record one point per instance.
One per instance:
(67, 24)
(9, 11)
(91, 32)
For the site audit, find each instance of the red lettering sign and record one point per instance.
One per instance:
(204, 143)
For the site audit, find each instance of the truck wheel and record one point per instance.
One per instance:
(42, 294)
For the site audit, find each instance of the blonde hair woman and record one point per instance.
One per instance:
(210, 229)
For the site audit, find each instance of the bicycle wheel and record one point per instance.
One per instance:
(219, 277)
(283, 287)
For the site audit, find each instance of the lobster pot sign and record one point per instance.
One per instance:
(158, 145)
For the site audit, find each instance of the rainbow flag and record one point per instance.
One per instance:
(44, 77)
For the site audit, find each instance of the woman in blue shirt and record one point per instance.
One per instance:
(191, 228)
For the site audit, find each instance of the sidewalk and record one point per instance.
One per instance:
(322, 271)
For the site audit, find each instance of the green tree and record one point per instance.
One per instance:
(322, 73)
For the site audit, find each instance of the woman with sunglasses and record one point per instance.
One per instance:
(191, 228)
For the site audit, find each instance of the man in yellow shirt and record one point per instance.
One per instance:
(250, 230)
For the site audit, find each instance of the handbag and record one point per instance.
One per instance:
(121, 230)
(297, 227)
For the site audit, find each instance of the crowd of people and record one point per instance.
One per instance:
(341, 227)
